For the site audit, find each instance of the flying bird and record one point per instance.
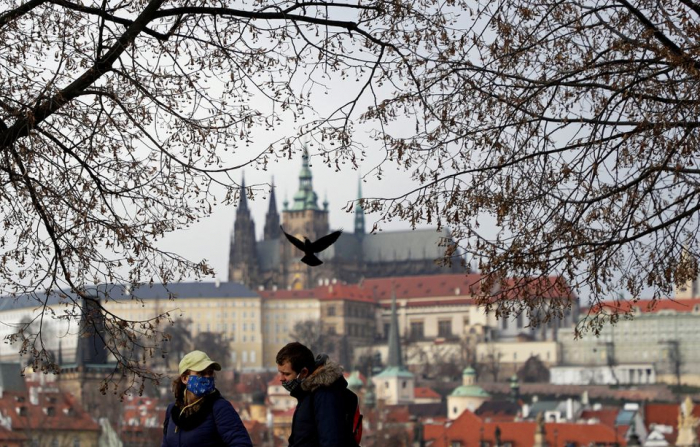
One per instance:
(310, 248)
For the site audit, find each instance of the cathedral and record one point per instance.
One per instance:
(275, 263)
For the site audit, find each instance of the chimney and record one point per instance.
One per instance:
(569, 409)
(34, 395)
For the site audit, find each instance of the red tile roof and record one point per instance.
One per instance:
(140, 410)
(647, 306)
(397, 414)
(432, 431)
(448, 287)
(551, 287)
(423, 392)
(54, 410)
(666, 414)
(470, 430)
(606, 416)
(455, 285)
(338, 291)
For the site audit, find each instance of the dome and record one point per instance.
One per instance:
(354, 381)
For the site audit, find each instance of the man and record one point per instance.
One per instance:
(321, 416)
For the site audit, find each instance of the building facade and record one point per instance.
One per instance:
(663, 334)
(274, 263)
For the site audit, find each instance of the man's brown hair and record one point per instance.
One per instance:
(298, 355)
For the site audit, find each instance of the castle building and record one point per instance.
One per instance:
(274, 263)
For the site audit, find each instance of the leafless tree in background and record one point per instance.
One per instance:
(572, 128)
(122, 121)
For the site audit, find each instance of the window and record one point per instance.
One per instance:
(417, 330)
(76, 442)
(455, 444)
(252, 356)
(331, 311)
(520, 321)
(444, 328)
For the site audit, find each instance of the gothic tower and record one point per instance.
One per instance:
(243, 257)
(302, 219)
(272, 218)
(359, 213)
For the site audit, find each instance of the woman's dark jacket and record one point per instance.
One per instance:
(320, 415)
(214, 424)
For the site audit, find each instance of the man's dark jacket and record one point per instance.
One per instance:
(320, 418)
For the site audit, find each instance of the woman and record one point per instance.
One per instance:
(200, 416)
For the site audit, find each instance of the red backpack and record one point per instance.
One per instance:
(353, 415)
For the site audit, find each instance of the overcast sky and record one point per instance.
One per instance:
(210, 238)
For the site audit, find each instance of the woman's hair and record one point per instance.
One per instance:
(179, 389)
(298, 355)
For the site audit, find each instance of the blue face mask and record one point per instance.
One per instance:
(200, 386)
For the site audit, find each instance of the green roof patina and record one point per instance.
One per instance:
(470, 391)
(395, 371)
(305, 198)
(354, 381)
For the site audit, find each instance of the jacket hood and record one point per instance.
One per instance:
(323, 375)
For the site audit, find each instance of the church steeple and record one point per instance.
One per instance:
(359, 212)
(395, 357)
(272, 218)
(395, 385)
(243, 202)
(305, 198)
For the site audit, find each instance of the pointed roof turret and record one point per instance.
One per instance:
(359, 212)
(395, 366)
(272, 218)
(395, 357)
(305, 198)
(243, 203)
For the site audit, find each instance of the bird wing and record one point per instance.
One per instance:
(326, 241)
(296, 242)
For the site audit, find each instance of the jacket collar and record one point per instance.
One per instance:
(323, 375)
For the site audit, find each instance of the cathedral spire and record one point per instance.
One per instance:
(243, 203)
(243, 257)
(395, 357)
(359, 212)
(272, 218)
(305, 198)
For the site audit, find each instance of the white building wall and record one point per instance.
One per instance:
(603, 375)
